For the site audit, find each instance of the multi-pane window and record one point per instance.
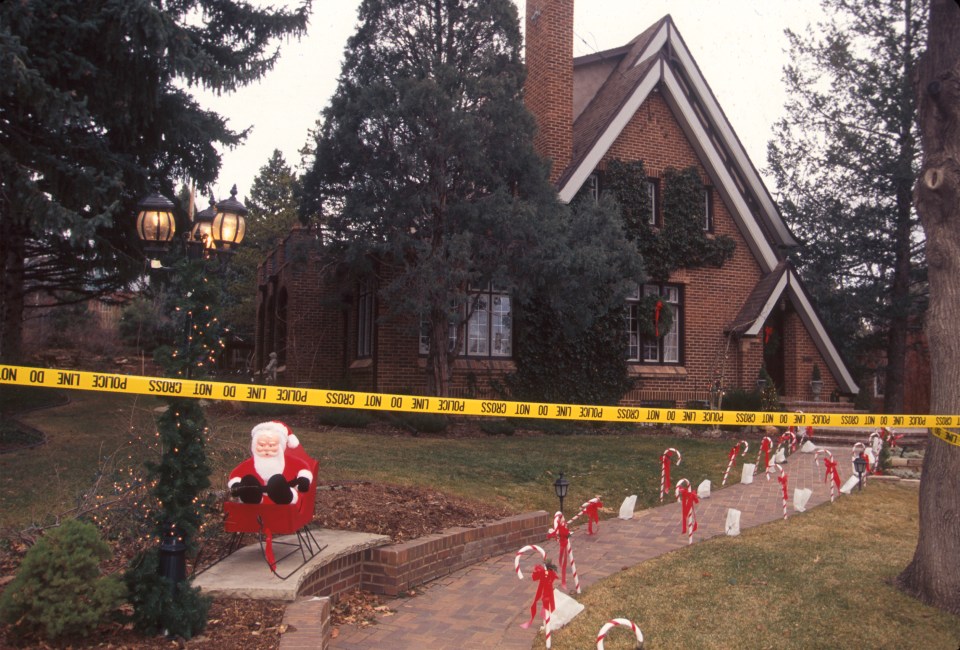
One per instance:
(650, 349)
(489, 328)
(365, 308)
(593, 187)
(652, 193)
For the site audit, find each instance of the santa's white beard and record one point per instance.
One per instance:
(267, 467)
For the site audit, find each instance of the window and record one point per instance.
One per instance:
(652, 193)
(365, 307)
(643, 348)
(489, 330)
(593, 187)
(707, 210)
(880, 381)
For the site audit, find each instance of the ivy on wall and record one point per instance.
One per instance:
(678, 240)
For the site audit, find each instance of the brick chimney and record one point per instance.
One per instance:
(549, 87)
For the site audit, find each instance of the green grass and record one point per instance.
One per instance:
(106, 437)
(820, 580)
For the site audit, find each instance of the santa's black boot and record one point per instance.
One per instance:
(249, 489)
(279, 490)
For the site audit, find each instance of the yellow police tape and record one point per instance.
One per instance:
(216, 390)
(947, 436)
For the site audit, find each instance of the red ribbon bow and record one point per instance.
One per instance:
(544, 578)
(733, 452)
(688, 498)
(767, 333)
(656, 317)
(831, 466)
(665, 464)
(783, 484)
(765, 450)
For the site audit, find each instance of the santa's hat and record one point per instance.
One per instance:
(279, 429)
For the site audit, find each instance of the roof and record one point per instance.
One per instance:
(659, 60)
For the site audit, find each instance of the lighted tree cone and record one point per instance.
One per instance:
(831, 475)
(687, 499)
(665, 470)
(619, 622)
(733, 457)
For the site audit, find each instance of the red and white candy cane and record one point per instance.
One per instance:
(665, 470)
(786, 437)
(765, 452)
(876, 442)
(831, 471)
(688, 499)
(733, 457)
(525, 549)
(561, 532)
(591, 509)
(618, 622)
(860, 451)
(782, 480)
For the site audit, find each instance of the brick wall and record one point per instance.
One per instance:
(396, 568)
(548, 92)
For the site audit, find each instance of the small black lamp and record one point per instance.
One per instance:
(859, 466)
(560, 486)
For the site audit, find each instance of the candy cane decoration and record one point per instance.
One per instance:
(890, 437)
(733, 457)
(530, 547)
(687, 498)
(618, 622)
(561, 532)
(591, 509)
(860, 451)
(544, 576)
(790, 437)
(876, 442)
(782, 480)
(765, 452)
(831, 470)
(665, 470)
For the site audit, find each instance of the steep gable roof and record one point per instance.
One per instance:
(659, 59)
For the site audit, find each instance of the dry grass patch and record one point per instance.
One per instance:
(818, 580)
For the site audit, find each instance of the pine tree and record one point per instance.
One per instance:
(845, 159)
(424, 162)
(95, 110)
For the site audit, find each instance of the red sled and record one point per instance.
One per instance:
(269, 519)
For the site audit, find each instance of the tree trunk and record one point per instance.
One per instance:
(934, 573)
(12, 244)
(438, 360)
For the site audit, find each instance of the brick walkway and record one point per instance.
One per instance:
(482, 606)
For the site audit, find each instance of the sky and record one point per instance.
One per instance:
(739, 46)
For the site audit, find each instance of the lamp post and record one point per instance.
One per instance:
(182, 427)
(859, 466)
(560, 486)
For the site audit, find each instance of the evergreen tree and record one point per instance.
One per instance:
(95, 109)
(934, 574)
(424, 163)
(845, 159)
(272, 207)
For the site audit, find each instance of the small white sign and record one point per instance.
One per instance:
(748, 470)
(800, 498)
(626, 510)
(703, 490)
(733, 522)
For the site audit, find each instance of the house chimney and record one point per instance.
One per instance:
(549, 87)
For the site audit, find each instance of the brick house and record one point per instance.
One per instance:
(646, 100)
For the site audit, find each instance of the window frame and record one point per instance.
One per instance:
(653, 191)
(483, 334)
(672, 341)
(366, 321)
(708, 221)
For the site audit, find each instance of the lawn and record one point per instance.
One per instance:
(821, 580)
(97, 443)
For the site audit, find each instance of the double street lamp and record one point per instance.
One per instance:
(216, 231)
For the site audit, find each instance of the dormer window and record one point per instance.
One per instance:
(707, 210)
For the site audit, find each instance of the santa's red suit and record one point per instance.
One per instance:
(275, 475)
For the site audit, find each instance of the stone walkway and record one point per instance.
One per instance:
(482, 606)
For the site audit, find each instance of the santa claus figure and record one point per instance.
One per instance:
(272, 474)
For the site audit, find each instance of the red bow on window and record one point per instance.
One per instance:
(767, 333)
(656, 317)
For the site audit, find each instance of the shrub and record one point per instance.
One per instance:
(59, 590)
(347, 418)
(161, 606)
(423, 422)
(497, 427)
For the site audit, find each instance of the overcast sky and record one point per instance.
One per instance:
(738, 44)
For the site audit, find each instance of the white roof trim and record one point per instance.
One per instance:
(822, 338)
(767, 256)
(609, 136)
(654, 46)
(768, 306)
(728, 136)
